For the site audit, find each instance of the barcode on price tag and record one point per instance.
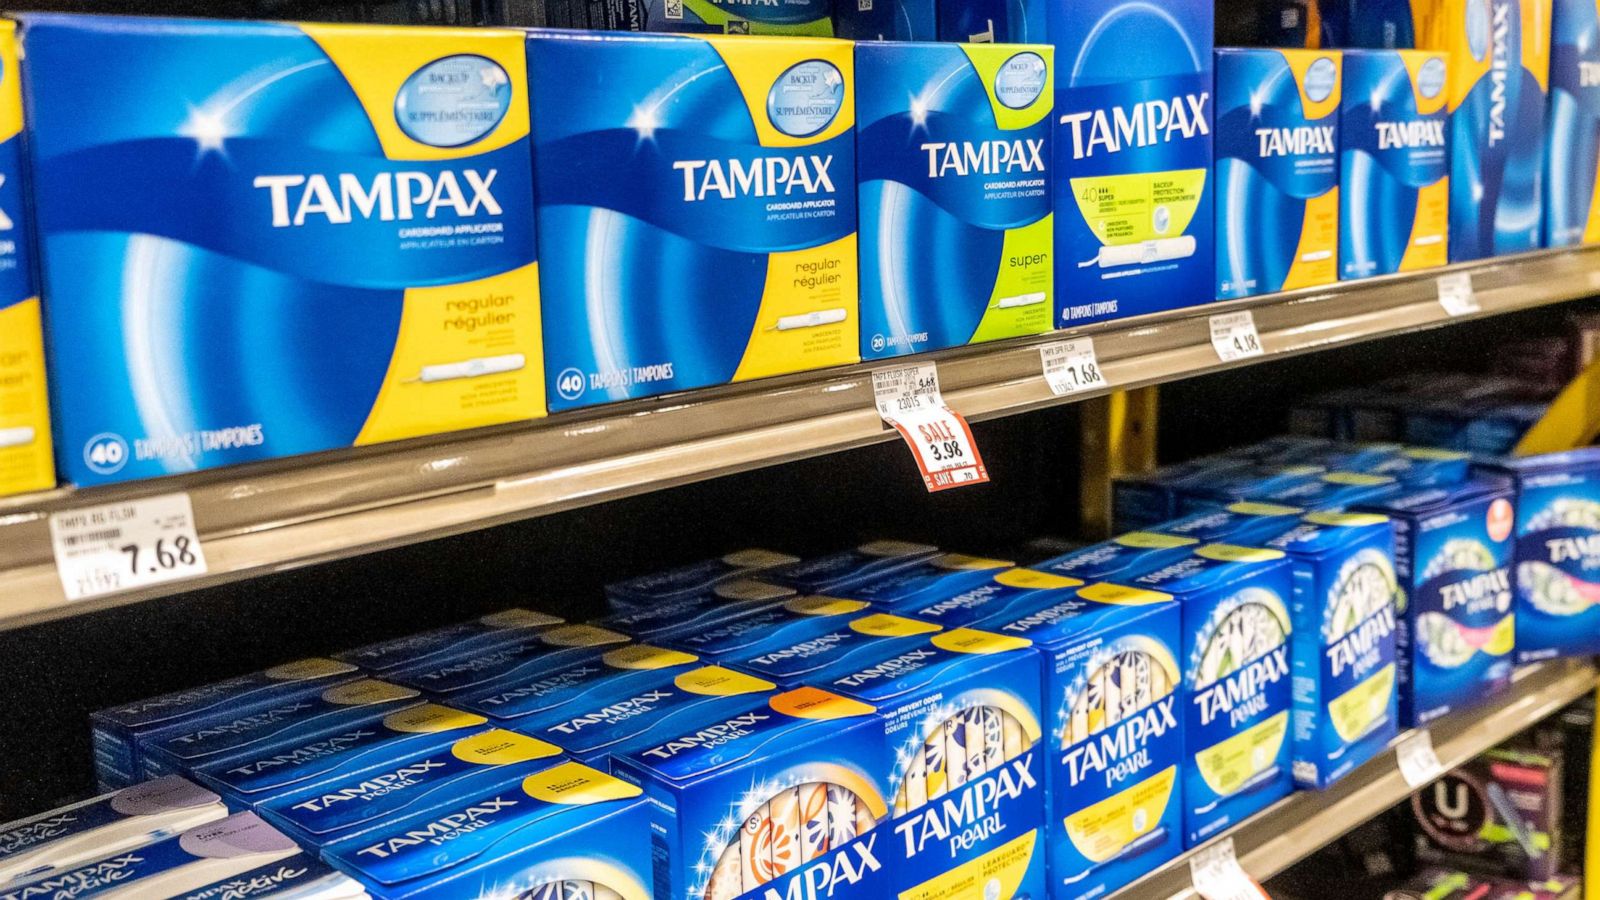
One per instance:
(908, 398)
(1234, 335)
(123, 546)
(1070, 366)
(1216, 874)
(1456, 294)
(1419, 764)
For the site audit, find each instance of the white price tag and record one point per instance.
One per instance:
(908, 398)
(1418, 763)
(1234, 335)
(122, 546)
(1456, 294)
(1070, 366)
(1217, 875)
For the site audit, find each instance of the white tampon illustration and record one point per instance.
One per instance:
(1142, 252)
(1020, 300)
(15, 437)
(473, 368)
(811, 319)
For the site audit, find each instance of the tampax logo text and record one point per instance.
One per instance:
(444, 829)
(1359, 649)
(239, 888)
(832, 874)
(1585, 549)
(308, 753)
(1124, 750)
(1243, 694)
(1409, 135)
(1499, 71)
(1297, 141)
(959, 821)
(709, 736)
(764, 176)
(620, 711)
(1142, 124)
(244, 724)
(373, 787)
(889, 668)
(984, 157)
(80, 882)
(389, 196)
(1479, 592)
(35, 832)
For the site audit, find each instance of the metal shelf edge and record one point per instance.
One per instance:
(296, 512)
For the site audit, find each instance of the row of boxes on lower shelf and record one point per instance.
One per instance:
(886, 719)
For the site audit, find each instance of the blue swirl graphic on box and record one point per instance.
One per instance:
(1460, 620)
(1134, 231)
(1394, 163)
(697, 202)
(1277, 149)
(1574, 126)
(1497, 109)
(1558, 571)
(947, 170)
(243, 297)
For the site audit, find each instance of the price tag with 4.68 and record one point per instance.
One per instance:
(122, 546)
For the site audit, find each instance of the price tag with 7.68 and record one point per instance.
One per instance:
(122, 546)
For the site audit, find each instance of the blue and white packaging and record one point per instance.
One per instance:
(1006, 590)
(330, 241)
(1277, 170)
(1499, 71)
(566, 831)
(1134, 224)
(538, 652)
(617, 672)
(1556, 574)
(693, 579)
(784, 796)
(934, 578)
(954, 157)
(1256, 481)
(863, 638)
(662, 620)
(960, 710)
(64, 838)
(1394, 162)
(1122, 558)
(1416, 467)
(299, 877)
(1336, 490)
(1457, 625)
(1572, 215)
(604, 723)
(118, 731)
(1243, 522)
(402, 786)
(730, 160)
(359, 747)
(228, 736)
(459, 639)
(1111, 696)
(991, 21)
(173, 867)
(836, 572)
(798, 619)
(1236, 682)
(1343, 649)
(1140, 501)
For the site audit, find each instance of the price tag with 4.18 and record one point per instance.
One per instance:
(122, 546)
(1234, 336)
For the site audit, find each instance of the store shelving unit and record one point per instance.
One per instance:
(1295, 827)
(276, 516)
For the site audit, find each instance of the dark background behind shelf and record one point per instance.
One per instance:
(57, 673)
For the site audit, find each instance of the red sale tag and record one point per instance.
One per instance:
(908, 398)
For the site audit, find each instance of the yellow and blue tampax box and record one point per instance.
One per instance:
(1277, 170)
(700, 204)
(564, 831)
(1122, 558)
(1236, 681)
(459, 639)
(234, 736)
(1394, 166)
(119, 731)
(664, 619)
(402, 779)
(834, 573)
(934, 578)
(540, 651)
(1007, 589)
(1499, 74)
(1241, 522)
(796, 663)
(785, 796)
(960, 711)
(617, 672)
(1572, 190)
(694, 578)
(794, 621)
(25, 446)
(954, 158)
(1114, 731)
(1343, 653)
(330, 242)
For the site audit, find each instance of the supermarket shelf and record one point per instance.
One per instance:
(1297, 826)
(275, 516)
